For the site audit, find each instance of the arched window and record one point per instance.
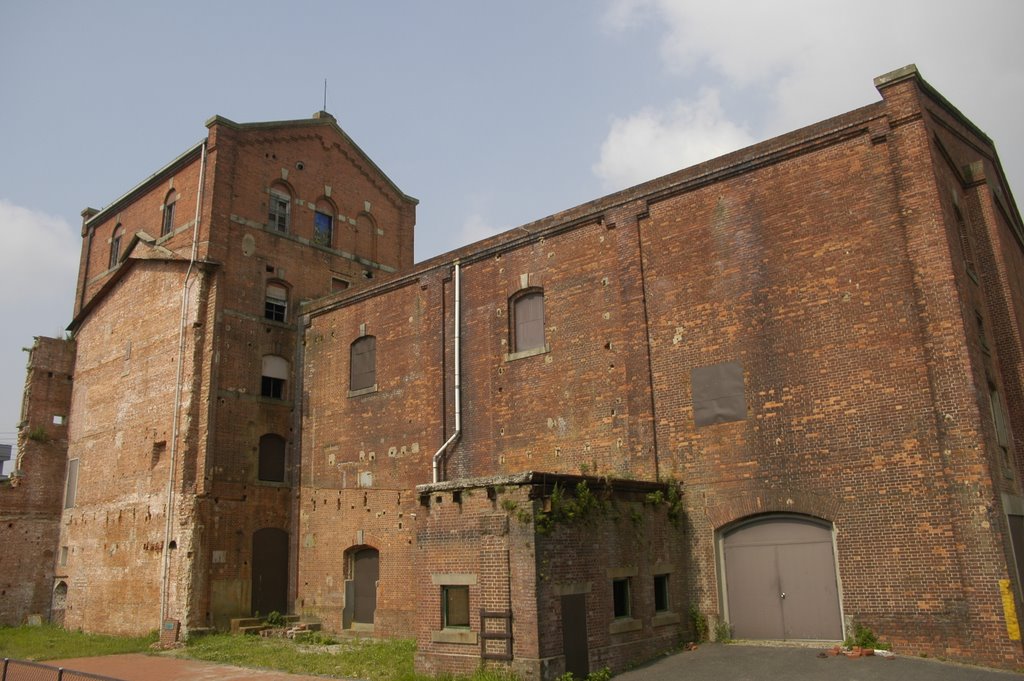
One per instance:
(280, 208)
(527, 320)
(115, 245)
(363, 363)
(275, 374)
(276, 306)
(167, 225)
(323, 223)
(272, 458)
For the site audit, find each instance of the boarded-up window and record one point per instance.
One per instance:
(718, 394)
(455, 606)
(528, 320)
(71, 489)
(271, 463)
(276, 306)
(363, 363)
(275, 373)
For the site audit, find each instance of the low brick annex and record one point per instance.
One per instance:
(776, 394)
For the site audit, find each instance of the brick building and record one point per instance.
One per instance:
(782, 388)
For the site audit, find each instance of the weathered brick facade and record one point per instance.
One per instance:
(30, 501)
(819, 333)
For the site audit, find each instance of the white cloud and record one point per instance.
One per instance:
(794, 62)
(38, 268)
(653, 142)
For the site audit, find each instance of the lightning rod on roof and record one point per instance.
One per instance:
(325, 94)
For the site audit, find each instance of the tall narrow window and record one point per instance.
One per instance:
(71, 487)
(271, 463)
(965, 242)
(115, 245)
(168, 214)
(620, 597)
(528, 321)
(275, 374)
(661, 593)
(280, 209)
(363, 363)
(276, 306)
(323, 223)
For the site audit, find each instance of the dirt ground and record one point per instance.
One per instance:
(139, 667)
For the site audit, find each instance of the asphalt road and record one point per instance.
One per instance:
(736, 662)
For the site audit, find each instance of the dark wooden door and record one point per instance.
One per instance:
(269, 571)
(781, 580)
(574, 635)
(366, 570)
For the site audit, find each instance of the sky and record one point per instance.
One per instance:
(491, 114)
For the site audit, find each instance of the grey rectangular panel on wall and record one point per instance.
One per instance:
(718, 394)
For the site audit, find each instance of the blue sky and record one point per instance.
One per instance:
(492, 114)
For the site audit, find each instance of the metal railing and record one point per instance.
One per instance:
(23, 670)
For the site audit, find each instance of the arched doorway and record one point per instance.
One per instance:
(780, 579)
(364, 571)
(60, 602)
(269, 571)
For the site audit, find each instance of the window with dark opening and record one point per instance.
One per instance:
(965, 242)
(271, 461)
(275, 373)
(279, 209)
(276, 306)
(528, 321)
(454, 606)
(115, 245)
(661, 593)
(168, 220)
(363, 363)
(620, 597)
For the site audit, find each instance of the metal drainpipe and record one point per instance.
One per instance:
(458, 385)
(168, 510)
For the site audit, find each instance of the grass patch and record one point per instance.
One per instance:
(385, 660)
(47, 642)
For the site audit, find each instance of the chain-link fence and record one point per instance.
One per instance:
(23, 670)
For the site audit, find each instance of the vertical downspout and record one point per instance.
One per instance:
(177, 393)
(458, 385)
(647, 342)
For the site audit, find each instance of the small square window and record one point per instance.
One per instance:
(455, 607)
(661, 593)
(272, 387)
(620, 597)
(58, 420)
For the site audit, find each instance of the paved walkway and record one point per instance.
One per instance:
(737, 662)
(709, 662)
(139, 667)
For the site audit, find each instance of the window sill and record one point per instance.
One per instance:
(363, 391)
(624, 624)
(273, 483)
(513, 356)
(462, 636)
(667, 617)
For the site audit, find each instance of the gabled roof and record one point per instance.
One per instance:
(319, 119)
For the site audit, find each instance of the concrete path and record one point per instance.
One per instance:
(735, 662)
(139, 667)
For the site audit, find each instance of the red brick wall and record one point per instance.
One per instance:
(30, 502)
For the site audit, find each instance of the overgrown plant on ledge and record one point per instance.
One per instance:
(567, 510)
(672, 500)
(864, 637)
(700, 624)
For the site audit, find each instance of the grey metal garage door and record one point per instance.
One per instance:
(780, 579)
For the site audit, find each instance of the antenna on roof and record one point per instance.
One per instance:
(325, 94)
